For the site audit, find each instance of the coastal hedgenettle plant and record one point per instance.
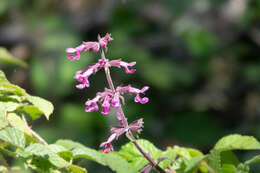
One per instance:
(19, 141)
(112, 96)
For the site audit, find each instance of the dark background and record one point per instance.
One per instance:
(199, 57)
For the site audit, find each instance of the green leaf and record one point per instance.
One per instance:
(3, 119)
(255, 159)
(215, 161)
(9, 106)
(132, 154)
(6, 57)
(228, 168)
(45, 106)
(237, 142)
(117, 163)
(33, 111)
(68, 144)
(13, 136)
(3, 77)
(18, 123)
(183, 152)
(57, 148)
(112, 160)
(47, 152)
(170, 155)
(8, 88)
(242, 168)
(194, 162)
(229, 157)
(89, 153)
(77, 169)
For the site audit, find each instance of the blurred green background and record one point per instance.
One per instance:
(200, 58)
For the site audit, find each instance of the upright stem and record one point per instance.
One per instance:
(131, 137)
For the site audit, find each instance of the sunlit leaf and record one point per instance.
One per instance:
(237, 142)
(13, 136)
(18, 123)
(45, 152)
(45, 106)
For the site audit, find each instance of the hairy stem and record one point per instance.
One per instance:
(34, 133)
(130, 137)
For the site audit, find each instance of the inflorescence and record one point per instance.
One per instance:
(110, 97)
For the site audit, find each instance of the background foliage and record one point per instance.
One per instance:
(200, 59)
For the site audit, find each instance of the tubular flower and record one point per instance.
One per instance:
(88, 46)
(85, 46)
(119, 63)
(131, 90)
(104, 40)
(116, 101)
(106, 104)
(83, 75)
(122, 128)
(107, 144)
(104, 98)
(76, 50)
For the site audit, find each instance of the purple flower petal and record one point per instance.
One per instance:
(106, 105)
(116, 101)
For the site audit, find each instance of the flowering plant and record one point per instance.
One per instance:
(19, 142)
(112, 97)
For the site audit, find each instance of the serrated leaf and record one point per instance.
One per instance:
(112, 160)
(57, 148)
(68, 144)
(117, 163)
(33, 111)
(6, 57)
(183, 152)
(9, 106)
(255, 159)
(132, 154)
(47, 153)
(237, 142)
(18, 123)
(13, 136)
(215, 161)
(45, 106)
(194, 162)
(88, 153)
(228, 168)
(170, 155)
(242, 168)
(8, 88)
(77, 169)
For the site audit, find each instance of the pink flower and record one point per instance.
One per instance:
(108, 148)
(83, 75)
(116, 100)
(106, 104)
(88, 46)
(119, 63)
(136, 126)
(91, 105)
(104, 40)
(77, 52)
(131, 90)
(107, 144)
